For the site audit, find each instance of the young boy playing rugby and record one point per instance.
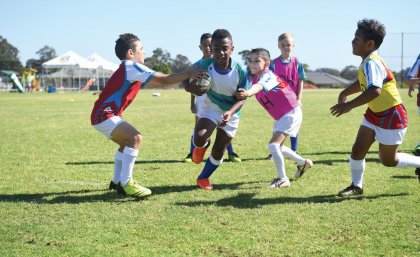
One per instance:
(385, 119)
(197, 101)
(289, 68)
(117, 95)
(220, 110)
(278, 98)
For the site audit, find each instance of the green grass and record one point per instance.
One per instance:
(55, 169)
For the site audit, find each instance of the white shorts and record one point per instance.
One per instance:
(108, 126)
(199, 102)
(216, 116)
(289, 123)
(418, 110)
(386, 136)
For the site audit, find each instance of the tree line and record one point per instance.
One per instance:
(161, 60)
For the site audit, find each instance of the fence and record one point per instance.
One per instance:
(400, 50)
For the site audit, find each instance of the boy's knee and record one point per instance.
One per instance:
(137, 139)
(357, 154)
(388, 163)
(199, 142)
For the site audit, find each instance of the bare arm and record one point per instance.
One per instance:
(192, 105)
(226, 116)
(364, 98)
(412, 81)
(300, 91)
(242, 94)
(352, 89)
(170, 79)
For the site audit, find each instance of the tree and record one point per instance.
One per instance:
(9, 59)
(349, 72)
(244, 54)
(306, 67)
(45, 54)
(181, 63)
(160, 61)
(329, 71)
(401, 75)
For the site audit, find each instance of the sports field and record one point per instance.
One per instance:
(55, 169)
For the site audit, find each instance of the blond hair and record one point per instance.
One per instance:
(286, 35)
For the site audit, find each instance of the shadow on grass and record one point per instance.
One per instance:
(69, 197)
(160, 190)
(333, 152)
(86, 196)
(111, 162)
(151, 161)
(332, 162)
(404, 177)
(247, 200)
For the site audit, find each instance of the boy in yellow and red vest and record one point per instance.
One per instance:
(385, 119)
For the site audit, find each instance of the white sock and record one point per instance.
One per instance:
(278, 160)
(407, 160)
(128, 160)
(289, 153)
(357, 168)
(117, 167)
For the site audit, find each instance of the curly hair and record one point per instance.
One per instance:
(124, 43)
(204, 37)
(372, 30)
(221, 34)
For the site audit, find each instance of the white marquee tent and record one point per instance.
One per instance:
(70, 61)
(71, 64)
(103, 67)
(101, 63)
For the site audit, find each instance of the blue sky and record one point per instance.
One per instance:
(323, 29)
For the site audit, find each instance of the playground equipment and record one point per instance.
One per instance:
(29, 79)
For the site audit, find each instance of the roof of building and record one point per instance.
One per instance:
(322, 78)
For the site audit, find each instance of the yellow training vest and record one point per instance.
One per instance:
(389, 96)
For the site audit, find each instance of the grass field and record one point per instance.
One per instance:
(55, 169)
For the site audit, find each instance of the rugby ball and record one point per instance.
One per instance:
(204, 82)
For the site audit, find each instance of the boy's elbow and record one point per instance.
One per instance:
(375, 91)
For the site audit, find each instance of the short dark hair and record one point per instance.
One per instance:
(204, 37)
(124, 43)
(221, 34)
(372, 30)
(262, 53)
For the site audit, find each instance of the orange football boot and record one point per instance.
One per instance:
(204, 183)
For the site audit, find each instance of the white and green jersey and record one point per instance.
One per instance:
(224, 83)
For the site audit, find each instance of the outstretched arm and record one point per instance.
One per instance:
(170, 79)
(242, 94)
